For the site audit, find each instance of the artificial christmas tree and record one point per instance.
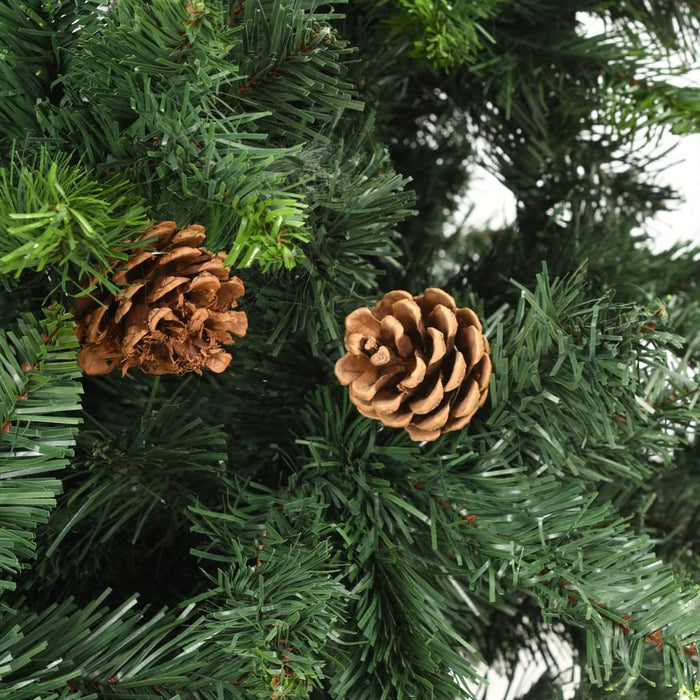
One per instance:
(246, 533)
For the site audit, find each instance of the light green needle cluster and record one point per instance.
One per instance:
(56, 217)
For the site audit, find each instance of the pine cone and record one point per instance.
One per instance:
(173, 314)
(418, 363)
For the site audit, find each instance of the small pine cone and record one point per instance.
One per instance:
(173, 315)
(418, 363)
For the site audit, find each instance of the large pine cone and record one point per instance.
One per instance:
(418, 363)
(173, 314)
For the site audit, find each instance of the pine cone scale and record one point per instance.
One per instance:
(392, 332)
(473, 342)
(162, 313)
(418, 435)
(439, 348)
(366, 386)
(162, 286)
(483, 372)
(431, 400)
(195, 325)
(434, 420)
(386, 401)
(93, 328)
(363, 323)
(444, 320)
(227, 294)
(351, 367)
(131, 272)
(466, 318)
(417, 363)
(414, 377)
(203, 290)
(407, 312)
(396, 420)
(191, 237)
(181, 257)
(457, 373)
(466, 401)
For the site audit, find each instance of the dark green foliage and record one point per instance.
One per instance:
(100, 652)
(278, 599)
(201, 126)
(537, 531)
(248, 535)
(162, 112)
(37, 43)
(357, 202)
(39, 392)
(553, 119)
(126, 490)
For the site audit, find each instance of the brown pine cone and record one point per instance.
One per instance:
(418, 363)
(173, 314)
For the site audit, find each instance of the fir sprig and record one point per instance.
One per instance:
(39, 396)
(57, 215)
(443, 33)
(35, 50)
(163, 455)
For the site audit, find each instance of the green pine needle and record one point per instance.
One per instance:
(56, 215)
(39, 392)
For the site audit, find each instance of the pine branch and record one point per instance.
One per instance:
(289, 51)
(39, 391)
(446, 34)
(191, 103)
(55, 214)
(319, 554)
(550, 120)
(497, 528)
(145, 97)
(602, 370)
(35, 41)
(94, 652)
(340, 476)
(127, 488)
(356, 203)
(503, 512)
(277, 598)
(673, 23)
